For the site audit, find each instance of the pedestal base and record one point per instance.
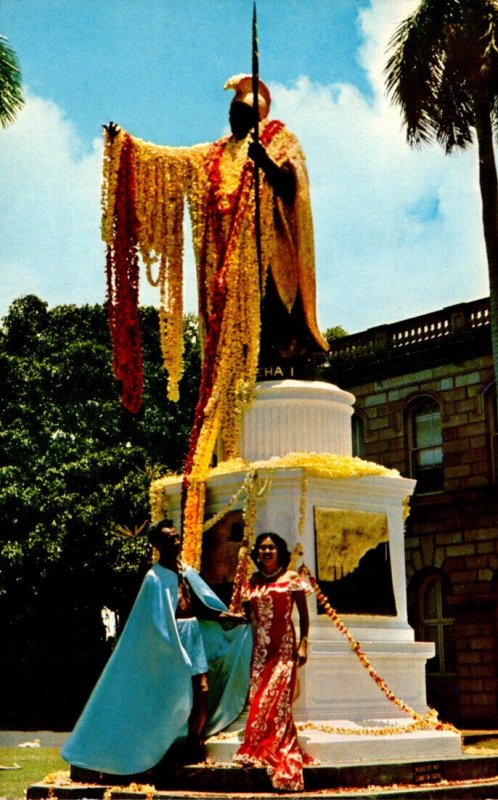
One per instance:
(334, 685)
(356, 748)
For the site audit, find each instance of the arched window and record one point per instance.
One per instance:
(435, 624)
(358, 434)
(426, 445)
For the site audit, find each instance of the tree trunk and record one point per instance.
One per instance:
(488, 182)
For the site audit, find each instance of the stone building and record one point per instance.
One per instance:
(426, 405)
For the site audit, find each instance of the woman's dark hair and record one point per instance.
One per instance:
(283, 553)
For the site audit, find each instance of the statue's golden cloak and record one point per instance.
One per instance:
(207, 176)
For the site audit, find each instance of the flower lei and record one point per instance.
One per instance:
(143, 192)
(422, 721)
(208, 413)
(318, 465)
(428, 721)
(142, 212)
(243, 561)
(122, 272)
(232, 339)
(62, 778)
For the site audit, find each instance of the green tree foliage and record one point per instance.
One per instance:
(74, 465)
(443, 73)
(11, 95)
(335, 332)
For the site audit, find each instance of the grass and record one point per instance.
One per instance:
(486, 746)
(34, 765)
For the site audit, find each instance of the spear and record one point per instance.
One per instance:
(255, 94)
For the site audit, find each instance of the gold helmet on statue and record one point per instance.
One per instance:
(242, 86)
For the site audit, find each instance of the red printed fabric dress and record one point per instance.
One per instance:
(270, 739)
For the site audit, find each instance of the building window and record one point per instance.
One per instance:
(435, 625)
(492, 429)
(358, 434)
(426, 446)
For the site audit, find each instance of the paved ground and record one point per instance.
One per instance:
(479, 742)
(45, 738)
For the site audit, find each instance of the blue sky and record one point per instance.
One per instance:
(397, 231)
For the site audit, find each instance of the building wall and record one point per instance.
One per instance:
(452, 533)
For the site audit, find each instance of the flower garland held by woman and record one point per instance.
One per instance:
(270, 739)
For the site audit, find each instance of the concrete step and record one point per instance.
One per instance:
(467, 777)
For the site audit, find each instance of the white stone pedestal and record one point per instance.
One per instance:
(291, 416)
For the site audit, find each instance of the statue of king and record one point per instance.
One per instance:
(256, 303)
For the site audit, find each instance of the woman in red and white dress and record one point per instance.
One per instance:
(270, 739)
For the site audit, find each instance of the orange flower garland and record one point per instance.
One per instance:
(221, 367)
(243, 561)
(429, 720)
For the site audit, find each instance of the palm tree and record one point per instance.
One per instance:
(443, 73)
(11, 95)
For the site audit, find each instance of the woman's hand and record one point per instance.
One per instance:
(232, 619)
(302, 652)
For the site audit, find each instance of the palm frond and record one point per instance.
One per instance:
(444, 59)
(414, 71)
(11, 94)
(454, 111)
(123, 531)
(488, 66)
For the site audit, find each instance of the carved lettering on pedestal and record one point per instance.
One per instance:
(271, 371)
(427, 773)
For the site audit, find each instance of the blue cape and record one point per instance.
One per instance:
(142, 701)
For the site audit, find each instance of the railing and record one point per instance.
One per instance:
(411, 333)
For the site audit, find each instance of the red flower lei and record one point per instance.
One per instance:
(213, 169)
(122, 271)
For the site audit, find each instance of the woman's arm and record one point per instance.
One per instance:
(304, 624)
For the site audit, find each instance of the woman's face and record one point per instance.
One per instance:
(268, 554)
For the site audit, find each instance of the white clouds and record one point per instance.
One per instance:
(49, 209)
(378, 24)
(380, 254)
(50, 213)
